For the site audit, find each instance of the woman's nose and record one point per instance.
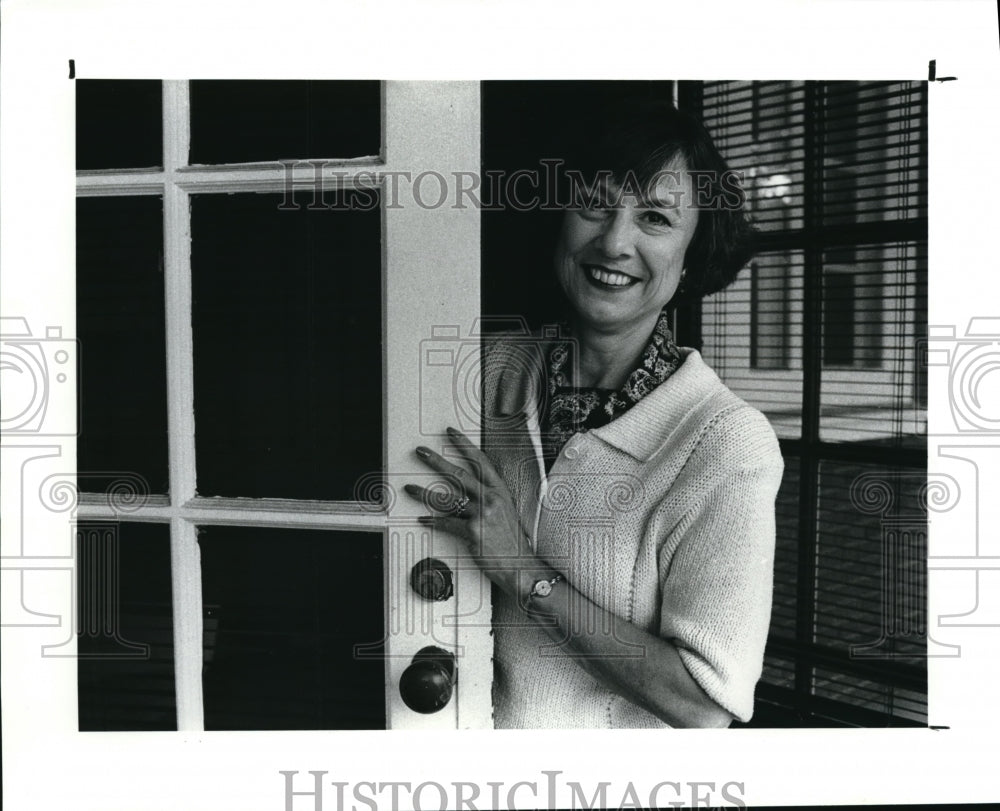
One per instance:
(617, 238)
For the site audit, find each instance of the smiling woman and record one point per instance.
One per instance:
(620, 261)
(623, 503)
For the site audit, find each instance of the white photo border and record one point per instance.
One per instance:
(47, 763)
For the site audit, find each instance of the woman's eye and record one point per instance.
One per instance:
(655, 218)
(595, 210)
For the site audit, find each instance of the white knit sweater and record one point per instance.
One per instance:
(664, 516)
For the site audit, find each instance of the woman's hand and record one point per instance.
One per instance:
(479, 509)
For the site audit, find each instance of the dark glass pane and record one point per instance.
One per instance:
(759, 127)
(244, 121)
(287, 345)
(284, 610)
(778, 671)
(874, 151)
(871, 588)
(119, 124)
(120, 323)
(874, 147)
(126, 628)
(874, 319)
(752, 337)
(871, 581)
(839, 312)
(903, 706)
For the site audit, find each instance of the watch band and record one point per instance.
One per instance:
(543, 588)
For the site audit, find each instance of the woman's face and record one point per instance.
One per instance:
(620, 260)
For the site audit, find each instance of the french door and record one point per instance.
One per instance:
(273, 311)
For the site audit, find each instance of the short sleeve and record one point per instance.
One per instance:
(716, 577)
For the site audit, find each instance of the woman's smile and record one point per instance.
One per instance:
(606, 278)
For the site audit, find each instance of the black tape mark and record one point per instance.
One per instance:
(932, 73)
(72, 68)
(933, 727)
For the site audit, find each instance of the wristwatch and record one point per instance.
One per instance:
(543, 588)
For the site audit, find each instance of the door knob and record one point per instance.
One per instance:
(427, 684)
(432, 579)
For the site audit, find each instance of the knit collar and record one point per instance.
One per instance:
(573, 409)
(647, 427)
(643, 429)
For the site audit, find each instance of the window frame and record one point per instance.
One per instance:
(799, 706)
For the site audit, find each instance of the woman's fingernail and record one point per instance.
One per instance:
(451, 430)
(412, 489)
(423, 452)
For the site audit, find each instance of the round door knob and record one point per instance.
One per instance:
(427, 684)
(432, 579)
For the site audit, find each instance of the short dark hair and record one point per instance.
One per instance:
(635, 142)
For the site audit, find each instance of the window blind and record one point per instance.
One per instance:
(820, 333)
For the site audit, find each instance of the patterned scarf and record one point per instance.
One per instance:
(575, 410)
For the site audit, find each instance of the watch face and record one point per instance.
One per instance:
(543, 588)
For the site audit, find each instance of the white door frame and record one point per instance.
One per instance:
(431, 280)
